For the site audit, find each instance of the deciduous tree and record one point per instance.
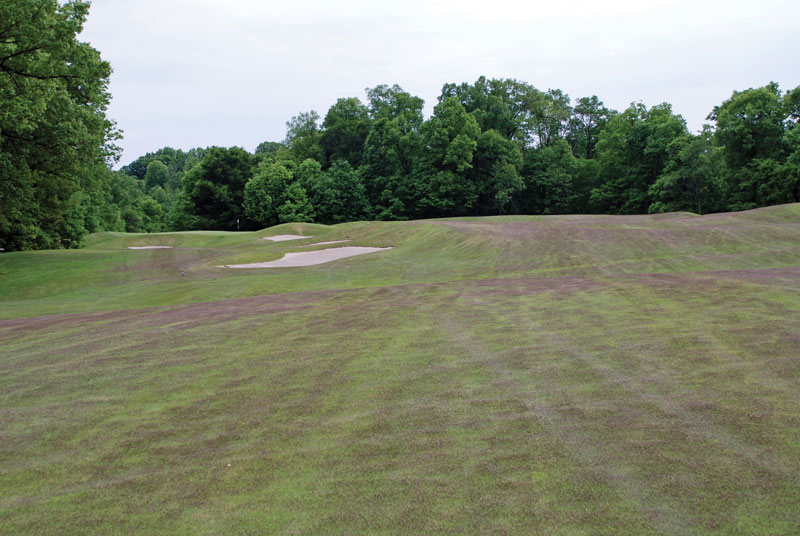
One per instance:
(589, 117)
(214, 189)
(392, 151)
(338, 194)
(54, 134)
(450, 138)
(753, 130)
(691, 180)
(632, 152)
(345, 129)
(303, 137)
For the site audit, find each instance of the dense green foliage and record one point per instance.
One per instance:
(213, 191)
(757, 129)
(495, 146)
(503, 146)
(54, 136)
(492, 147)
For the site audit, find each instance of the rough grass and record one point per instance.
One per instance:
(557, 375)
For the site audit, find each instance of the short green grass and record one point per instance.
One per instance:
(511, 375)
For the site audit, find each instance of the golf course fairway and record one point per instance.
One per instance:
(572, 375)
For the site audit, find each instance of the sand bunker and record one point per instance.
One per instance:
(284, 237)
(309, 258)
(149, 247)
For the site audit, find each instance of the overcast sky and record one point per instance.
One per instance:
(195, 73)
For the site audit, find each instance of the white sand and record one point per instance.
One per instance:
(309, 258)
(328, 242)
(149, 247)
(284, 237)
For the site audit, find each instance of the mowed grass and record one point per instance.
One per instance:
(520, 375)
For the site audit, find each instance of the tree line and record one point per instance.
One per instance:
(495, 146)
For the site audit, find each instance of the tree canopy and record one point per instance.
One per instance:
(55, 139)
(214, 190)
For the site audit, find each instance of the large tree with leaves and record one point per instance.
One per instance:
(303, 137)
(392, 150)
(550, 179)
(214, 190)
(691, 180)
(550, 115)
(55, 138)
(275, 196)
(754, 130)
(495, 173)
(346, 127)
(589, 118)
(632, 152)
(450, 138)
(496, 104)
(337, 195)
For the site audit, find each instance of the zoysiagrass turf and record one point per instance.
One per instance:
(558, 375)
